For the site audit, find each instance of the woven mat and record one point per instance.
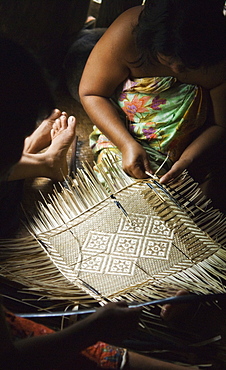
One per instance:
(134, 240)
(109, 254)
(135, 245)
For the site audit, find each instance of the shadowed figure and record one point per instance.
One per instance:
(46, 27)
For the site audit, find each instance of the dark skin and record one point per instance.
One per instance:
(111, 57)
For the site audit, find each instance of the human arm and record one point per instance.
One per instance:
(110, 323)
(107, 67)
(137, 361)
(210, 138)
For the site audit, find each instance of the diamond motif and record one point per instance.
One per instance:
(95, 264)
(97, 242)
(136, 226)
(120, 266)
(156, 248)
(126, 245)
(158, 227)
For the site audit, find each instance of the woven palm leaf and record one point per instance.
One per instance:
(132, 241)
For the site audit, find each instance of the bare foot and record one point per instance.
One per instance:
(41, 137)
(62, 134)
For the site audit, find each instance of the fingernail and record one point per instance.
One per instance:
(165, 313)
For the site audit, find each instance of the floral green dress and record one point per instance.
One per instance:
(161, 114)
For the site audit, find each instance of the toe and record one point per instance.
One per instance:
(63, 121)
(55, 114)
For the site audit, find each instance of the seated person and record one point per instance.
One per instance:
(164, 65)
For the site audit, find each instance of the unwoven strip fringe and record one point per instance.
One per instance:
(36, 265)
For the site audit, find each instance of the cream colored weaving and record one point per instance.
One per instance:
(133, 241)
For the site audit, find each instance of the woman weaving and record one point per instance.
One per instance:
(165, 65)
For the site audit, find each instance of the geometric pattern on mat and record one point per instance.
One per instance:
(107, 253)
(84, 248)
(133, 241)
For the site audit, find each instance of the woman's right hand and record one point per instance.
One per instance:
(135, 160)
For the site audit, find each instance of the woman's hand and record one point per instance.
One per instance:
(177, 168)
(135, 160)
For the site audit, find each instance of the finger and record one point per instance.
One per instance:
(175, 171)
(122, 304)
(137, 171)
(169, 312)
(166, 178)
(147, 167)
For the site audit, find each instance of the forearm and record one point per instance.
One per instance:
(135, 160)
(111, 324)
(211, 137)
(50, 351)
(137, 361)
(106, 117)
(204, 144)
(53, 350)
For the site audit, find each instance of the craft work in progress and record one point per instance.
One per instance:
(129, 241)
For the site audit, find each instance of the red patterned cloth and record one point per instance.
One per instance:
(22, 328)
(104, 355)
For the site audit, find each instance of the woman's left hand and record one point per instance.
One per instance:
(177, 168)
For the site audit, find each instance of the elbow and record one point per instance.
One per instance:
(85, 96)
(81, 94)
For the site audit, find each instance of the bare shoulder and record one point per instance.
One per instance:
(110, 57)
(129, 18)
(120, 34)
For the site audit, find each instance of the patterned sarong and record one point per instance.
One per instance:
(161, 113)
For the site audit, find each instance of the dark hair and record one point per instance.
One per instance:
(25, 98)
(193, 31)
